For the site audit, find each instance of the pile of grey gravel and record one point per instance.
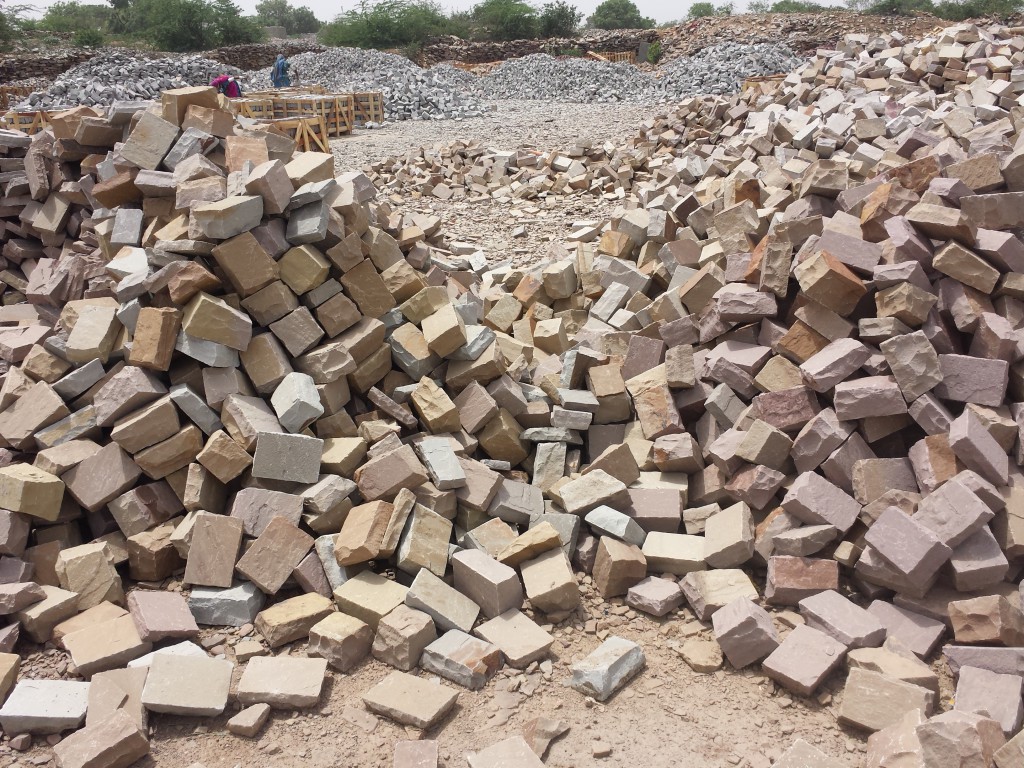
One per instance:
(442, 92)
(116, 76)
(410, 92)
(719, 69)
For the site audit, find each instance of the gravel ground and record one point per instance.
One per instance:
(509, 125)
(489, 223)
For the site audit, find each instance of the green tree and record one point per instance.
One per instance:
(899, 7)
(619, 14)
(304, 20)
(230, 27)
(386, 24)
(88, 38)
(559, 19)
(279, 13)
(73, 16)
(759, 6)
(700, 10)
(967, 9)
(506, 20)
(273, 13)
(797, 6)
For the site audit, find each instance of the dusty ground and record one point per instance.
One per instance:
(668, 717)
(490, 223)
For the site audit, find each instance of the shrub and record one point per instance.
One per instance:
(88, 38)
(654, 52)
(700, 10)
(559, 19)
(619, 14)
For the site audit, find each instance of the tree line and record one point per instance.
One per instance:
(195, 25)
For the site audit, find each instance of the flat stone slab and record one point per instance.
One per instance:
(513, 752)
(186, 648)
(187, 685)
(44, 706)
(462, 658)
(612, 664)
(410, 700)
(282, 682)
(518, 637)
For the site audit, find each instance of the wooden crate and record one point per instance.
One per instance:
(619, 57)
(369, 107)
(293, 90)
(336, 109)
(343, 120)
(256, 108)
(309, 131)
(27, 122)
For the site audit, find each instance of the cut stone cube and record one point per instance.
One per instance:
(608, 668)
(494, 587)
(401, 637)
(804, 659)
(463, 659)
(745, 632)
(369, 597)
(843, 619)
(342, 640)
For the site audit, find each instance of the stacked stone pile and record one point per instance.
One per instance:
(256, 55)
(124, 76)
(450, 48)
(792, 359)
(409, 91)
(717, 69)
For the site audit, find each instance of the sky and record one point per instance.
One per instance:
(325, 10)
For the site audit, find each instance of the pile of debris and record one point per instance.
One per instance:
(796, 349)
(803, 32)
(450, 48)
(715, 70)
(122, 76)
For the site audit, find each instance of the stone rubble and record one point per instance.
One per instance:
(797, 341)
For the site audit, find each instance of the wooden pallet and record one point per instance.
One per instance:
(27, 122)
(256, 108)
(619, 57)
(309, 131)
(292, 90)
(334, 108)
(369, 107)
